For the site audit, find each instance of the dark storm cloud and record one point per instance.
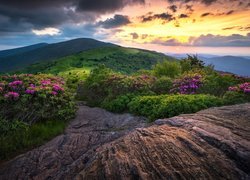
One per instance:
(116, 21)
(22, 16)
(163, 16)
(105, 6)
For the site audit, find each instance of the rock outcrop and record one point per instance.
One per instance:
(211, 144)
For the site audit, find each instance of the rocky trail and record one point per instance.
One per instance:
(210, 144)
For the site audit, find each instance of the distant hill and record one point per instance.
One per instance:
(125, 60)
(19, 58)
(239, 65)
(233, 64)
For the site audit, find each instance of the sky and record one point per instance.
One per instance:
(171, 26)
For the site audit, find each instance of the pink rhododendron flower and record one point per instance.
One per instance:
(30, 91)
(12, 95)
(54, 93)
(15, 83)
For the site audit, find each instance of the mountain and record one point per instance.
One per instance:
(15, 51)
(233, 64)
(239, 65)
(22, 57)
(124, 60)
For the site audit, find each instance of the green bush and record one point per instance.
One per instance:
(231, 97)
(118, 105)
(162, 85)
(165, 106)
(104, 84)
(191, 62)
(33, 98)
(167, 68)
(217, 84)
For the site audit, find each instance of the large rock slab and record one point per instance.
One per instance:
(211, 144)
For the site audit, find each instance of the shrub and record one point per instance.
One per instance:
(118, 105)
(191, 62)
(104, 84)
(165, 106)
(217, 84)
(232, 97)
(167, 68)
(162, 85)
(32, 98)
(238, 94)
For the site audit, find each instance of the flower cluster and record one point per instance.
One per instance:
(188, 84)
(245, 88)
(12, 95)
(15, 86)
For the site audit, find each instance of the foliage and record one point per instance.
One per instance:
(167, 68)
(31, 98)
(165, 106)
(103, 84)
(18, 137)
(238, 94)
(162, 85)
(119, 104)
(234, 97)
(217, 84)
(191, 62)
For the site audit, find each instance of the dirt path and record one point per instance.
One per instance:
(211, 144)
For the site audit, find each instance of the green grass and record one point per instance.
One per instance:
(22, 140)
(124, 60)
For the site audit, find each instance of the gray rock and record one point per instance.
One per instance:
(211, 144)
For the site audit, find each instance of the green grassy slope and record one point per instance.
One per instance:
(124, 60)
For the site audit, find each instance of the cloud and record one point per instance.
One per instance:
(236, 40)
(173, 8)
(205, 2)
(206, 14)
(23, 16)
(163, 16)
(208, 2)
(47, 31)
(240, 28)
(209, 40)
(116, 21)
(183, 16)
(134, 35)
(105, 6)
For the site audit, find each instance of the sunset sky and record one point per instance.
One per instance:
(169, 26)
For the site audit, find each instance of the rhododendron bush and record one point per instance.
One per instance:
(32, 98)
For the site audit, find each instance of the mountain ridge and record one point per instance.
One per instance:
(48, 52)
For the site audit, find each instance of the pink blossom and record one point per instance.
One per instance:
(15, 83)
(30, 91)
(54, 93)
(12, 95)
